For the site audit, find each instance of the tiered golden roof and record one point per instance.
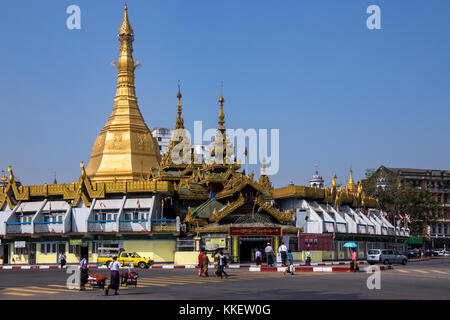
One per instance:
(125, 149)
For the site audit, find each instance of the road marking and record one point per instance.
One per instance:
(19, 294)
(402, 271)
(439, 271)
(174, 281)
(421, 271)
(30, 290)
(41, 288)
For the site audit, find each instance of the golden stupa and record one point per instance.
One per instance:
(125, 149)
(351, 186)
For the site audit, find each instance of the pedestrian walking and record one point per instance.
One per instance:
(290, 260)
(62, 259)
(200, 262)
(222, 264)
(115, 277)
(216, 262)
(354, 265)
(269, 254)
(283, 251)
(205, 263)
(308, 258)
(84, 273)
(258, 256)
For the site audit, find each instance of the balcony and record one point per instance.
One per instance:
(165, 225)
(49, 227)
(102, 226)
(19, 227)
(133, 225)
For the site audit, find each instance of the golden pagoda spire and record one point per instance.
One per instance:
(125, 140)
(179, 124)
(351, 186)
(221, 121)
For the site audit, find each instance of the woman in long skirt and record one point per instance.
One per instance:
(115, 277)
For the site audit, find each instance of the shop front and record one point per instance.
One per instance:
(246, 240)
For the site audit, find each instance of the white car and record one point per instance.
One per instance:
(385, 256)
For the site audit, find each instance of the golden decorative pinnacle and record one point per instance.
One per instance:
(125, 28)
(221, 121)
(180, 122)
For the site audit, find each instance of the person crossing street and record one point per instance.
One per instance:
(115, 277)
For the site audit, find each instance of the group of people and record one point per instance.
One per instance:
(286, 255)
(220, 262)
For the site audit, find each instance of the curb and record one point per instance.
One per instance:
(312, 269)
(172, 266)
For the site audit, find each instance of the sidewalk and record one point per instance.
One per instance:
(171, 266)
(314, 269)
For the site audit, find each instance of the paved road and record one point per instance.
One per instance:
(418, 280)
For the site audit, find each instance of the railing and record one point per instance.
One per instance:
(133, 225)
(102, 226)
(19, 227)
(48, 227)
(164, 225)
(185, 245)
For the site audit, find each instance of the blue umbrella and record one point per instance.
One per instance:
(350, 245)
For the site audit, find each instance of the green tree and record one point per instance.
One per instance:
(400, 198)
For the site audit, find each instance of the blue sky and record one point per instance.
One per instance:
(341, 95)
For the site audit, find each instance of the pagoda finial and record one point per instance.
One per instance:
(180, 122)
(125, 28)
(221, 121)
(263, 170)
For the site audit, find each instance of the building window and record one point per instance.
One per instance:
(159, 139)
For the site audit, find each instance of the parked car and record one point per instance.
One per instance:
(125, 258)
(385, 256)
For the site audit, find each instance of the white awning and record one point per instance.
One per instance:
(107, 204)
(57, 206)
(138, 202)
(30, 206)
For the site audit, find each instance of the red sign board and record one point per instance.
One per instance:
(236, 231)
(313, 241)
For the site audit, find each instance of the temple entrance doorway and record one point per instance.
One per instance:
(248, 246)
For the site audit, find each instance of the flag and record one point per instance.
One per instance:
(138, 204)
(407, 218)
(21, 212)
(368, 214)
(327, 207)
(102, 205)
(400, 216)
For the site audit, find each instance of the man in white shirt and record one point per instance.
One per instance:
(115, 277)
(269, 254)
(84, 273)
(62, 259)
(283, 251)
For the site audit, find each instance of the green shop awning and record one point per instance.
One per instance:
(415, 240)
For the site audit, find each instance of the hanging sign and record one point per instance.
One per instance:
(20, 244)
